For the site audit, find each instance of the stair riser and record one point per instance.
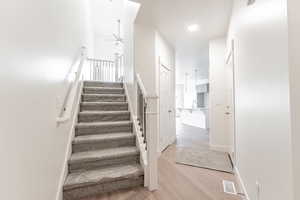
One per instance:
(103, 117)
(104, 145)
(100, 84)
(91, 130)
(103, 166)
(102, 91)
(83, 166)
(93, 190)
(91, 98)
(103, 107)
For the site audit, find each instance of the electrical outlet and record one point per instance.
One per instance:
(258, 190)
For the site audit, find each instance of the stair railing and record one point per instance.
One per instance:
(119, 62)
(73, 84)
(147, 120)
(106, 70)
(102, 70)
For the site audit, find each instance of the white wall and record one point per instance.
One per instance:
(149, 47)
(104, 48)
(219, 135)
(294, 63)
(131, 10)
(105, 14)
(39, 41)
(262, 97)
(144, 57)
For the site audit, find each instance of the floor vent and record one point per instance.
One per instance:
(229, 187)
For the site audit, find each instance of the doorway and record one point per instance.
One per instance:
(166, 112)
(230, 108)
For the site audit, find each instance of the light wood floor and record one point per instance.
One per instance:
(180, 182)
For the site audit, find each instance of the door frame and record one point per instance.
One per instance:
(161, 64)
(231, 57)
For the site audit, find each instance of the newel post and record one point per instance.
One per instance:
(117, 67)
(152, 137)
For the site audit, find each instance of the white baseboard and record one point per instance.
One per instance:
(159, 151)
(241, 183)
(223, 148)
(64, 173)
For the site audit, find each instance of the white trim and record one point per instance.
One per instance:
(163, 64)
(136, 131)
(65, 113)
(166, 67)
(160, 151)
(64, 173)
(143, 89)
(230, 52)
(140, 144)
(228, 56)
(241, 183)
(152, 113)
(224, 183)
(151, 171)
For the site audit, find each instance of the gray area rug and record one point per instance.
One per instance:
(204, 158)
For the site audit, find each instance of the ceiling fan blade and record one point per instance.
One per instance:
(115, 36)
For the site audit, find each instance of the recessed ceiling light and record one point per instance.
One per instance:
(193, 28)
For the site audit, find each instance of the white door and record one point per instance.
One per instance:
(230, 107)
(165, 135)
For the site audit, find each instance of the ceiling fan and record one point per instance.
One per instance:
(115, 37)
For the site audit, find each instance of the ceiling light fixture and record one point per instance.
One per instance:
(250, 2)
(193, 28)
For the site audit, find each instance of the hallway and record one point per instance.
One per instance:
(228, 68)
(191, 136)
(180, 182)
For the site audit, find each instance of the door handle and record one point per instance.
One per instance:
(227, 113)
(169, 111)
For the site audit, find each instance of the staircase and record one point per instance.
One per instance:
(104, 153)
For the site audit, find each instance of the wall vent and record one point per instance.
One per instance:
(229, 187)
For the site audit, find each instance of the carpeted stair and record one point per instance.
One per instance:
(104, 153)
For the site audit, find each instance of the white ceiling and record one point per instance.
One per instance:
(171, 18)
(105, 14)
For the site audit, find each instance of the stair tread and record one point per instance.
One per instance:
(101, 137)
(104, 82)
(102, 88)
(103, 112)
(104, 103)
(104, 175)
(103, 154)
(104, 95)
(83, 124)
